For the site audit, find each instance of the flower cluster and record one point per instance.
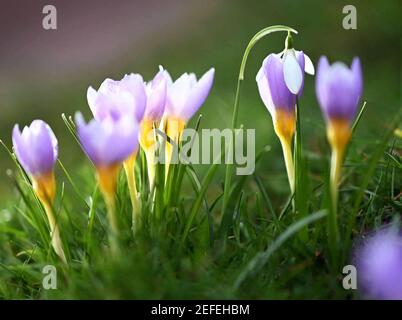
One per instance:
(280, 83)
(126, 112)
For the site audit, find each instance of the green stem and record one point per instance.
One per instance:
(132, 187)
(300, 203)
(333, 228)
(229, 167)
(111, 214)
(54, 231)
(150, 156)
(288, 156)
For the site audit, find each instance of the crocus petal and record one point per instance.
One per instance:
(263, 89)
(42, 146)
(134, 84)
(322, 70)
(177, 95)
(186, 95)
(293, 74)
(109, 141)
(280, 94)
(118, 98)
(358, 77)
(198, 94)
(21, 150)
(156, 97)
(92, 95)
(301, 61)
(309, 66)
(166, 75)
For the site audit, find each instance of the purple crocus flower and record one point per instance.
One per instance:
(119, 98)
(108, 142)
(156, 91)
(379, 265)
(186, 95)
(339, 89)
(281, 78)
(36, 148)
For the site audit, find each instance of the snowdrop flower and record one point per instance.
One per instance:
(36, 149)
(338, 90)
(108, 143)
(379, 265)
(184, 97)
(280, 80)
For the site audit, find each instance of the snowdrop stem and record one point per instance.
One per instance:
(129, 167)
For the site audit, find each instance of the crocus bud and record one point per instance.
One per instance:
(107, 143)
(126, 98)
(118, 98)
(184, 97)
(156, 91)
(274, 89)
(338, 91)
(379, 264)
(280, 79)
(36, 149)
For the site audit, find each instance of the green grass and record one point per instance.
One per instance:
(179, 253)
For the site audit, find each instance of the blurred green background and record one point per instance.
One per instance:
(45, 73)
